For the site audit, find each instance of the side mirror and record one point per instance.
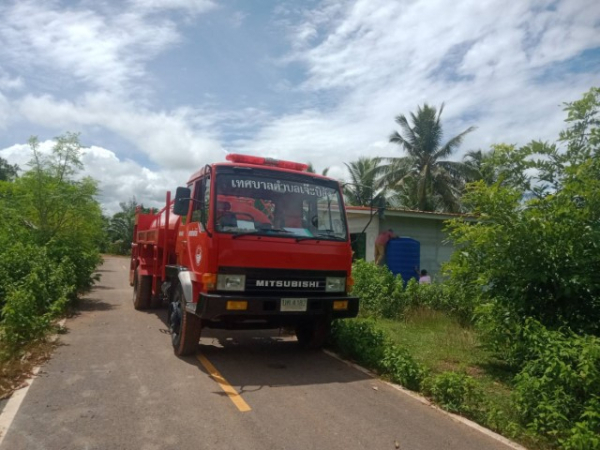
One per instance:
(182, 201)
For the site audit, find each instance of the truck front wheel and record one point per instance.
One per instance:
(142, 290)
(185, 327)
(313, 334)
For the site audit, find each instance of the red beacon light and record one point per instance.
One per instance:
(261, 161)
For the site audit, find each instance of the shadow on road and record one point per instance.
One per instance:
(253, 359)
(100, 287)
(93, 304)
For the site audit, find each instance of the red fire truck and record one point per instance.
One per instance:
(253, 243)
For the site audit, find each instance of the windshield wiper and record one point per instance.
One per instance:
(320, 236)
(260, 232)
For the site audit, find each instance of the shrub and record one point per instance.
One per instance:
(33, 301)
(360, 340)
(376, 286)
(455, 392)
(402, 368)
(556, 392)
(383, 295)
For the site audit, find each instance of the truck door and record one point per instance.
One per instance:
(197, 239)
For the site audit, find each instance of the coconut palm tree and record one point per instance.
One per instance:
(482, 166)
(311, 169)
(362, 190)
(424, 174)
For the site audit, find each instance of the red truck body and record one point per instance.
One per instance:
(251, 243)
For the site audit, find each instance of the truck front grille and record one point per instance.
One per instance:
(282, 282)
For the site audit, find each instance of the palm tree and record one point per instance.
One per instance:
(362, 190)
(311, 169)
(482, 166)
(424, 175)
(120, 229)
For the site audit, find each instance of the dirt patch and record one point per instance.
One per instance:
(17, 370)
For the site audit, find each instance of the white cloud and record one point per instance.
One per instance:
(8, 83)
(103, 51)
(119, 180)
(485, 60)
(4, 111)
(190, 6)
(169, 139)
(366, 61)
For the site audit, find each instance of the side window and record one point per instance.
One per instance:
(201, 201)
(206, 199)
(197, 202)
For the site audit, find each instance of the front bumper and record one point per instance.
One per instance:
(213, 307)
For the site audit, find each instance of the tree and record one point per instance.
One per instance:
(362, 189)
(120, 229)
(8, 172)
(425, 174)
(311, 169)
(534, 250)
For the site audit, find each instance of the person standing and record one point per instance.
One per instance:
(424, 278)
(380, 244)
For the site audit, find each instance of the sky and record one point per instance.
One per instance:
(158, 88)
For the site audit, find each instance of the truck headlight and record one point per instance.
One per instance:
(335, 284)
(228, 282)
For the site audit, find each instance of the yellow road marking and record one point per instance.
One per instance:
(233, 395)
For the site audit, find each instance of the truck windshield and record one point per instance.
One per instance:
(251, 203)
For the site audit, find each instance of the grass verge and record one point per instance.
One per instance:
(429, 352)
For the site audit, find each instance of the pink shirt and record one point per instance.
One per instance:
(384, 237)
(425, 279)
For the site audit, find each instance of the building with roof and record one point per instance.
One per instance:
(423, 226)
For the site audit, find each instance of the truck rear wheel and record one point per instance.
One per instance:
(314, 334)
(142, 290)
(185, 327)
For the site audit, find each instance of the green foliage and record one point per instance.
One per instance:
(401, 367)
(384, 295)
(455, 392)
(120, 227)
(36, 299)
(376, 287)
(8, 172)
(49, 237)
(362, 190)
(557, 393)
(361, 340)
(368, 344)
(534, 251)
(424, 178)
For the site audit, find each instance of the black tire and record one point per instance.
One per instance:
(314, 334)
(142, 291)
(185, 328)
(156, 302)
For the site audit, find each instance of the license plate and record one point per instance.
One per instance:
(293, 304)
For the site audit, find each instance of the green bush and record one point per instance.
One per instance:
(375, 286)
(50, 231)
(34, 300)
(360, 340)
(455, 392)
(364, 342)
(557, 391)
(401, 367)
(384, 295)
(534, 249)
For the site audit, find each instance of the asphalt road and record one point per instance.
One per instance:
(114, 383)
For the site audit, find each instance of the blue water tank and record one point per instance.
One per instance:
(402, 255)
